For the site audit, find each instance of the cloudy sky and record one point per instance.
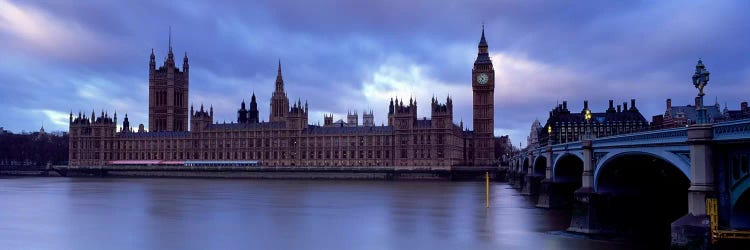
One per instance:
(62, 56)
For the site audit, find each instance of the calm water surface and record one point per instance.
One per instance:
(89, 213)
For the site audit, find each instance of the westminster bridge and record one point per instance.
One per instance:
(638, 180)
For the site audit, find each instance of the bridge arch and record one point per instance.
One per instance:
(663, 155)
(741, 211)
(739, 189)
(577, 154)
(567, 178)
(568, 168)
(540, 166)
(525, 165)
(739, 169)
(645, 193)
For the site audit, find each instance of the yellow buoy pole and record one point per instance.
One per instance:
(487, 189)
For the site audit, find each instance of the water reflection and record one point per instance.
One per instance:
(70, 213)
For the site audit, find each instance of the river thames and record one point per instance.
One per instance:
(130, 213)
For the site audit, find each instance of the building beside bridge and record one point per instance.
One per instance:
(564, 126)
(680, 116)
(287, 139)
(742, 113)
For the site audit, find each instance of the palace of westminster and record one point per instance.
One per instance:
(287, 139)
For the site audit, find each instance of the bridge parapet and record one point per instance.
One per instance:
(725, 131)
(576, 145)
(653, 137)
(662, 136)
(730, 131)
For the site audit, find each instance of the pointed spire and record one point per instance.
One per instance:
(170, 39)
(185, 64)
(279, 80)
(152, 63)
(482, 41)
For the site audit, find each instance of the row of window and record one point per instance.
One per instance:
(574, 134)
(266, 155)
(267, 142)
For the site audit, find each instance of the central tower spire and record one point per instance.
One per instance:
(170, 39)
(170, 55)
(279, 100)
(168, 93)
(279, 80)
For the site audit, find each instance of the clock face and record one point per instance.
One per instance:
(482, 78)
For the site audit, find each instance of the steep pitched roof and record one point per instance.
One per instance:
(691, 113)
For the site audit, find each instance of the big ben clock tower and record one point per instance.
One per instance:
(483, 86)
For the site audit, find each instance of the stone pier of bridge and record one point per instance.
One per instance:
(690, 231)
(532, 181)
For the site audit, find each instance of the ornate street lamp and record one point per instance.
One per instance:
(700, 80)
(587, 116)
(549, 134)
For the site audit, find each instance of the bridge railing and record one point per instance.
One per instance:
(566, 146)
(662, 136)
(732, 130)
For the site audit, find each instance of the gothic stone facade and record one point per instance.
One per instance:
(287, 139)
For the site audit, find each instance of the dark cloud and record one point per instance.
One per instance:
(62, 56)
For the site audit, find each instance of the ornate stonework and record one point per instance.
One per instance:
(287, 139)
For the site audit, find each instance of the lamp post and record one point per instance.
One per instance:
(700, 80)
(587, 116)
(549, 135)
